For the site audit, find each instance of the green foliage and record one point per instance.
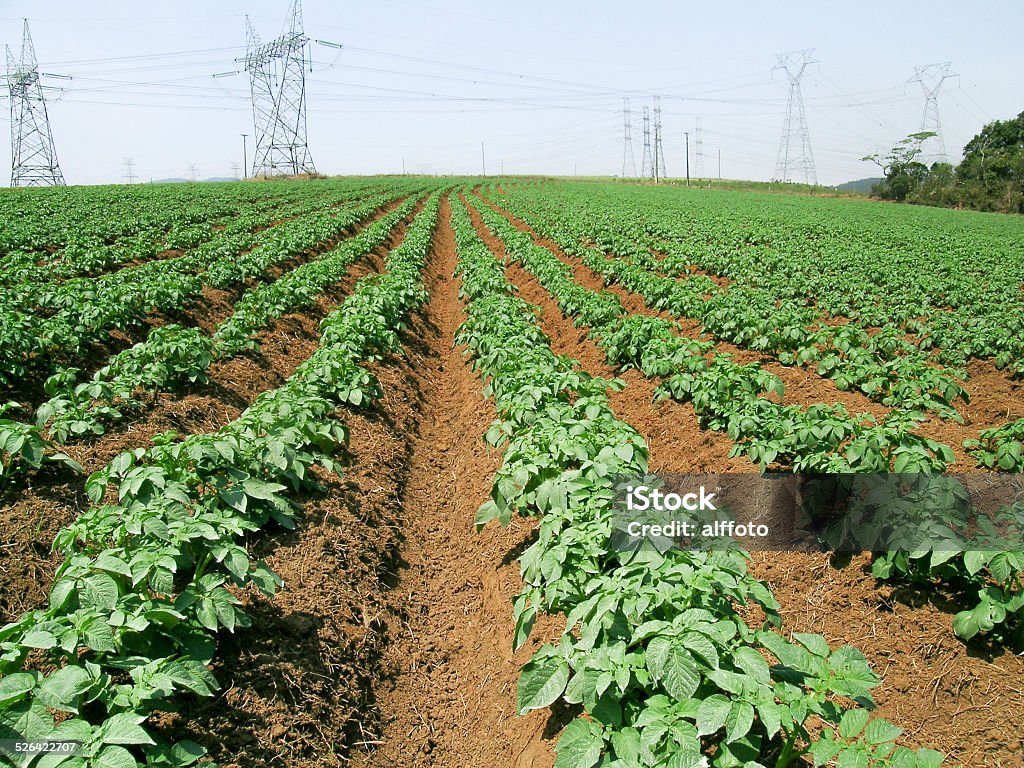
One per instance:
(144, 587)
(654, 647)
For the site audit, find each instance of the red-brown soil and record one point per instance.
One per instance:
(962, 700)
(32, 514)
(390, 643)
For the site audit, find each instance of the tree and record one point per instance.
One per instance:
(903, 172)
(993, 166)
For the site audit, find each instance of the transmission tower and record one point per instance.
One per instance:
(659, 149)
(236, 169)
(628, 159)
(129, 170)
(795, 156)
(646, 166)
(698, 165)
(277, 72)
(193, 173)
(931, 77)
(33, 156)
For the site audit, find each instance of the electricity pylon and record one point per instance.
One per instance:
(795, 156)
(33, 156)
(931, 77)
(628, 159)
(698, 166)
(277, 76)
(659, 149)
(646, 166)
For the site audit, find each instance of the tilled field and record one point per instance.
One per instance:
(390, 640)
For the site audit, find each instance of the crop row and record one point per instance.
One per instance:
(136, 605)
(883, 365)
(88, 309)
(952, 285)
(819, 438)
(727, 396)
(83, 226)
(173, 355)
(654, 647)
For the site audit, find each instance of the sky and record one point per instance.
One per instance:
(421, 85)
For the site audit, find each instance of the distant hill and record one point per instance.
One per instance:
(862, 186)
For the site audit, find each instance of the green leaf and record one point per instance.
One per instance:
(673, 666)
(39, 639)
(579, 745)
(101, 591)
(62, 689)
(125, 728)
(185, 753)
(16, 686)
(541, 683)
(880, 731)
(739, 721)
(712, 714)
(114, 757)
(852, 723)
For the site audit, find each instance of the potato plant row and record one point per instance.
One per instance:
(134, 609)
(85, 310)
(951, 282)
(173, 355)
(819, 438)
(884, 364)
(654, 649)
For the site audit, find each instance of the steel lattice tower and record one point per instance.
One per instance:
(646, 165)
(659, 149)
(698, 165)
(795, 155)
(931, 77)
(628, 159)
(277, 72)
(33, 156)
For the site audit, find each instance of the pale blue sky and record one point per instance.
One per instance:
(540, 82)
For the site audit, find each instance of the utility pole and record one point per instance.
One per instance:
(931, 77)
(687, 135)
(277, 79)
(129, 170)
(245, 156)
(646, 169)
(628, 159)
(483, 159)
(403, 166)
(33, 155)
(795, 148)
(719, 165)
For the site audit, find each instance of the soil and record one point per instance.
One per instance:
(390, 643)
(995, 397)
(33, 513)
(963, 700)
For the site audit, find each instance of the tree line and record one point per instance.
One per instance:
(989, 178)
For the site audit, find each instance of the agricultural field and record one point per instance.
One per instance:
(320, 473)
